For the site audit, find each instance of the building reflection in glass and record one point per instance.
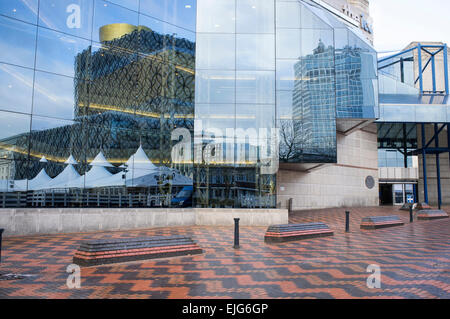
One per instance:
(130, 92)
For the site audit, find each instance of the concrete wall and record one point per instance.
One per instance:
(29, 221)
(336, 185)
(431, 167)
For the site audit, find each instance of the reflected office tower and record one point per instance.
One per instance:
(349, 85)
(314, 105)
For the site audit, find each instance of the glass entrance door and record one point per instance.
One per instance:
(401, 193)
(398, 194)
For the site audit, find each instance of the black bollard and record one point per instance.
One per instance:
(411, 214)
(236, 233)
(347, 221)
(1, 232)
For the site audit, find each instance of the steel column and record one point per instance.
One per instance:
(448, 142)
(438, 168)
(424, 163)
(447, 91)
(419, 58)
(405, 147)
(433, 72)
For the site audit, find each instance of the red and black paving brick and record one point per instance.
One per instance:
(414, 261)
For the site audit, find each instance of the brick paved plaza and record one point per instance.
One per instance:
(414, 261)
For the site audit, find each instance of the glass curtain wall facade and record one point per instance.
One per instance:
(234, 103)
(91, 92)
(130, 103)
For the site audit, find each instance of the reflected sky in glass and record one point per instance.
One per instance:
(25, 10)
(56, 52)
(17, 42)
(70, 16)
(16, 88)
(51, 100)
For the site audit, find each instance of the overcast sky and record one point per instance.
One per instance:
(400, 22)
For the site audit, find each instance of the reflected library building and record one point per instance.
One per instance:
(188, 103)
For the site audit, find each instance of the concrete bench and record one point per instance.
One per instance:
(431, 214)
(108, 251)
(375, 222)
(290, 232)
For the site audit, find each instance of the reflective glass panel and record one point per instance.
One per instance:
(216, 16)
(59, 53)
(129, 4)
(308, 141)
(69, 16)
(161, 28)
(54, 96)
(284, 104)
(113, 73)
(255, 116)
(14, 140)
(315, 18)
(288, 43)
(216, 51)
(288, 15)
(57, 146)
(17, 43)
(255, 87)
(16, 88)
(25, 10)
(116, 20)
(255, 52)
(181, 13)
(215, 86)
(255, 16)
(287, 74)
(317, 42)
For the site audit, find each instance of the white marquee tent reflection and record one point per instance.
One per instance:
(138, 171)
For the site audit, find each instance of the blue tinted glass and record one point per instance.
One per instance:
(25, 10)
(54, 96)
(17, 43)
(69, 16)
(116, 20)
(287, 74)
(255, 116)
(59, 53)
(181, 13)
(164, 28)
(288, 15)
(129, 4)
(255, 87)
(216, 51)
(284, 104)
(215, 86)
(16, 88)
(216, 16)
(288, 43)
(255, 52)
(255, 16)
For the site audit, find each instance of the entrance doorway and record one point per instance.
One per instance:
(397, 194)
(386, 194)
